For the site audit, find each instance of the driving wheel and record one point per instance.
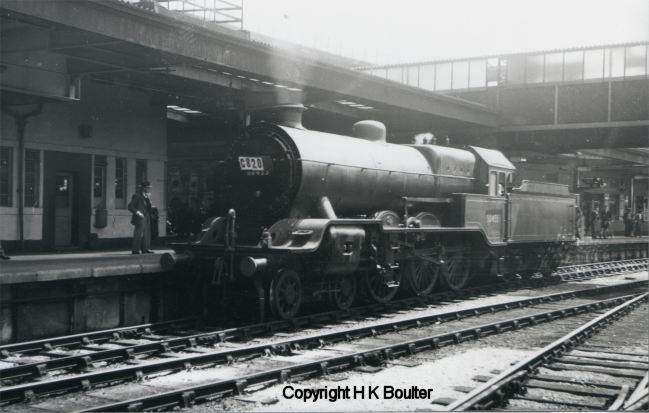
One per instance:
(378, 289)
(285, 294)
(457, 269)
(344, 293)
(420, 276)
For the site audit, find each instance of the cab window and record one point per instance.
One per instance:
(502, 182)
(493, 183)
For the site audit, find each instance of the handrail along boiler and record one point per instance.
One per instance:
(319, 215)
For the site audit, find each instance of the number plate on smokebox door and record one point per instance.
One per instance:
(255, 165)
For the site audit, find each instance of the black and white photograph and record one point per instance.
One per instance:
(324, 205)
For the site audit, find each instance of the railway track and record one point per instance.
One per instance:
(584, 272)
(602, 365)
(155, 331)
(27, 348)
(567, 273)
(432, 331)
(36, 359)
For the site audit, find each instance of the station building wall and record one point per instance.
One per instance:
(103, 143)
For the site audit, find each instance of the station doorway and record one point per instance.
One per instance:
(65, 217)
(66, 200)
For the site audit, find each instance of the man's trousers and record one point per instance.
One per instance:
(142, 234)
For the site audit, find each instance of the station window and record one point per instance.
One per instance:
(554, 67)
(635, 61)
(379, 72)
(460, 75)
(516, 70)
(443, 74)
(32, 177)
(120, 183)
(617, 62)
(141, 172)
(534, 69)
(594, 64)
(492, 72)
(427, 77)
(99, 187)
(573, 66)
(413, 76)
(6, 175)
(478, 73)
(607, 63)
(395, 74)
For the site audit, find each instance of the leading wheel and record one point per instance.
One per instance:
(378, 289)
(344, 293)
(456, 269)
(285, 294)
(420, 276)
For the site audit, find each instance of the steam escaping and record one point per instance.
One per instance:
(285, 115)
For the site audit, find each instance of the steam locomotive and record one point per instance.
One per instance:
(315, 215)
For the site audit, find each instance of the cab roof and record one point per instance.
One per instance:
(493, 158)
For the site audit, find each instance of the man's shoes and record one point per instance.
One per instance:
(135, 252)
(5, 257)
(147, 252)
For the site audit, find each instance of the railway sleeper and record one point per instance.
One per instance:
(567, 403)
(626, 373)
(568, 359)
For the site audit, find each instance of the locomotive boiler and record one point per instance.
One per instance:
(285, 172)
(314, 215)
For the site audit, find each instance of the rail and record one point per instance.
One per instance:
(493, 392)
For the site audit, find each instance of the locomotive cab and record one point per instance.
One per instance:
(494, 171)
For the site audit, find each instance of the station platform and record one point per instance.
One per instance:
(588, 240)
(29, 268)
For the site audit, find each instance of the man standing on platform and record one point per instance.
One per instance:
(637, 224)
(594, 221)
(140, 206)
(628, 222)
(606, 222)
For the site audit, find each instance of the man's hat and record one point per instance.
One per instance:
(144, 184)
